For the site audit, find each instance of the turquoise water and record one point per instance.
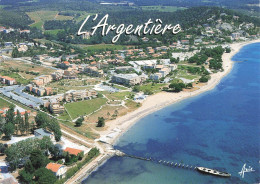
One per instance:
(219, 129)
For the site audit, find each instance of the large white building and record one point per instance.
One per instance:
(129, 79)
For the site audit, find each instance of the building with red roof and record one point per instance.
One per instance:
(73, 151)
(8, 80)
(58, 169)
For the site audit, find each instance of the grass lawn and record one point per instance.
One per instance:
(154, 88)
(162, 8)
(183, 72)
(119, 87)
(63, 17)
(52, 32)
(117, 96)
(4, 103)
(38, 25)
(39, 17)
(85, 107)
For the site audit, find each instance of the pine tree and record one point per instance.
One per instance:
(18, 122)
(26, 123)
(108, 114)
(10, 114)
(22, 127)
(15, 53)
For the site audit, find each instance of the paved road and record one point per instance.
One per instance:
(15, 92)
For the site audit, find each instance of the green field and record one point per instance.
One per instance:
(118, 95)
(4, 103)
(63, 17)
(39, 17)
(152, 87)
(16, 76)
(85, 107)
(52, 32)
(162, 8)
(119, 87)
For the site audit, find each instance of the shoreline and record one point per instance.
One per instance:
(163, 99)
(151, 104)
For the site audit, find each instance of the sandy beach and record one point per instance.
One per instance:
(163, 99)
(153, 103)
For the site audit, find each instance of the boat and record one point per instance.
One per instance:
(213, 172)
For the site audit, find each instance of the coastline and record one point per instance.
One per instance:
(151, 104)
(163, 99)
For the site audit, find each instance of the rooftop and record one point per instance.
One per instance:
(73, 151)
(127, 76)
(53, 167)
(43, 132)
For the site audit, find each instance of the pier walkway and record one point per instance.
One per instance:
(164, 162)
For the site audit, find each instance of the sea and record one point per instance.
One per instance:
(218, 129)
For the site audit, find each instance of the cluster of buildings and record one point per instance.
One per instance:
(93, 71)
(58, 170)
(8, 30)
(7, 80)
(163, 70)
(54, 102)
(40, 91)
(42, 80)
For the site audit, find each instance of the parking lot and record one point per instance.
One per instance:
(16, 93)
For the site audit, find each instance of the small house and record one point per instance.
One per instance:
(73, 151)
(58, 169)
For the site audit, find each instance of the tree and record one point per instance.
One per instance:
(116, 112)
(10, 114)
(41, 119)
(29, 167)
(204, 79)
(37, 159)
(2, 148)
(136, 88)
(8, 130)
(80, 155)
(44, 176)
(67, 157)
(79, 121)
(2, 124)
(177, 87)
(26, 123)
(148, 92)
(15, 53)
(108, 114)
(16, 153)
(189, 85)
(56, 151)
(54, 126)
(101, 122)
(18, 121)
(25, 177)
